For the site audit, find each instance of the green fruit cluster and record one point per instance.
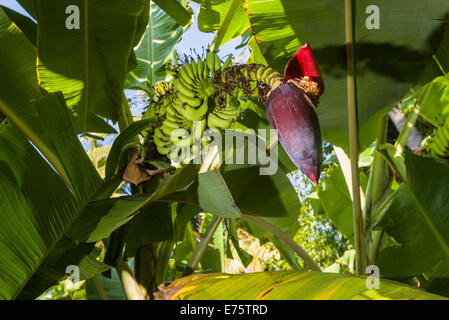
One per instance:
(439, 146)
(263, 74)
(194, 101)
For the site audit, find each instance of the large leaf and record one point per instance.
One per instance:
(112, 287)
(176, 11)
(25, 24)
(155, 50)
(18, 65)
(36, 209)
(388, 61)
(336, 200)
(41, 215)
(88, 64)
(416, 216)
(213, 14)
(284, 285)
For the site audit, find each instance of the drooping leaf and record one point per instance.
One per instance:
(215, 197)
(284, 285)
(18, 65)
(35, 252)
(88, 64)
(40, 211)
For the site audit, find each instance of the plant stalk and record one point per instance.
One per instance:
(375, 192)
(130, 285)
(201, 247)
(404, 135)
(353, 140)
(286, 239)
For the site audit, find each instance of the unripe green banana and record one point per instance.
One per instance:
(210, 61)
(217, 62)
(200, 69)
(185, 78)
(192, 113)
(194, 68)
(163, 144)
(190, 72)
(216, 122)
(181, 87)
(191, 101)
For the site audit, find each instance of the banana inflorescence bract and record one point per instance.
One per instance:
(291, 109)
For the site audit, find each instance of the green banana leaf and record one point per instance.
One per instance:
(416, 216)
(212, 18)
(176, 11)
(433, 99)
(389, 61)
(46, 221)
(89, 64)
(336, 200)
(285, 285)
(18, 65)
(112, 287)
(25, 24)
(37, 207)
(156, 48)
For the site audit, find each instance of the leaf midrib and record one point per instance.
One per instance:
(429, 222)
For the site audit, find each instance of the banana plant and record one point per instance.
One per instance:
(176, 219)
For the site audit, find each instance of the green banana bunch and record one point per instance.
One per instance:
(193, 83)
(439, 146)
(192, 113)
(162, 135)
(223, 118)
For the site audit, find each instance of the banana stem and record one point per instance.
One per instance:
(378, 183)
(201, 247)
(354, 143)
(286, 239)
(130, 285)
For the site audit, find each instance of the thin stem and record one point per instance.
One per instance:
(378, 180)
(99, 288)
(406, 130)
(130, 285)
(353, 140)
(225, 25)
(201, 247)
(286, 239)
